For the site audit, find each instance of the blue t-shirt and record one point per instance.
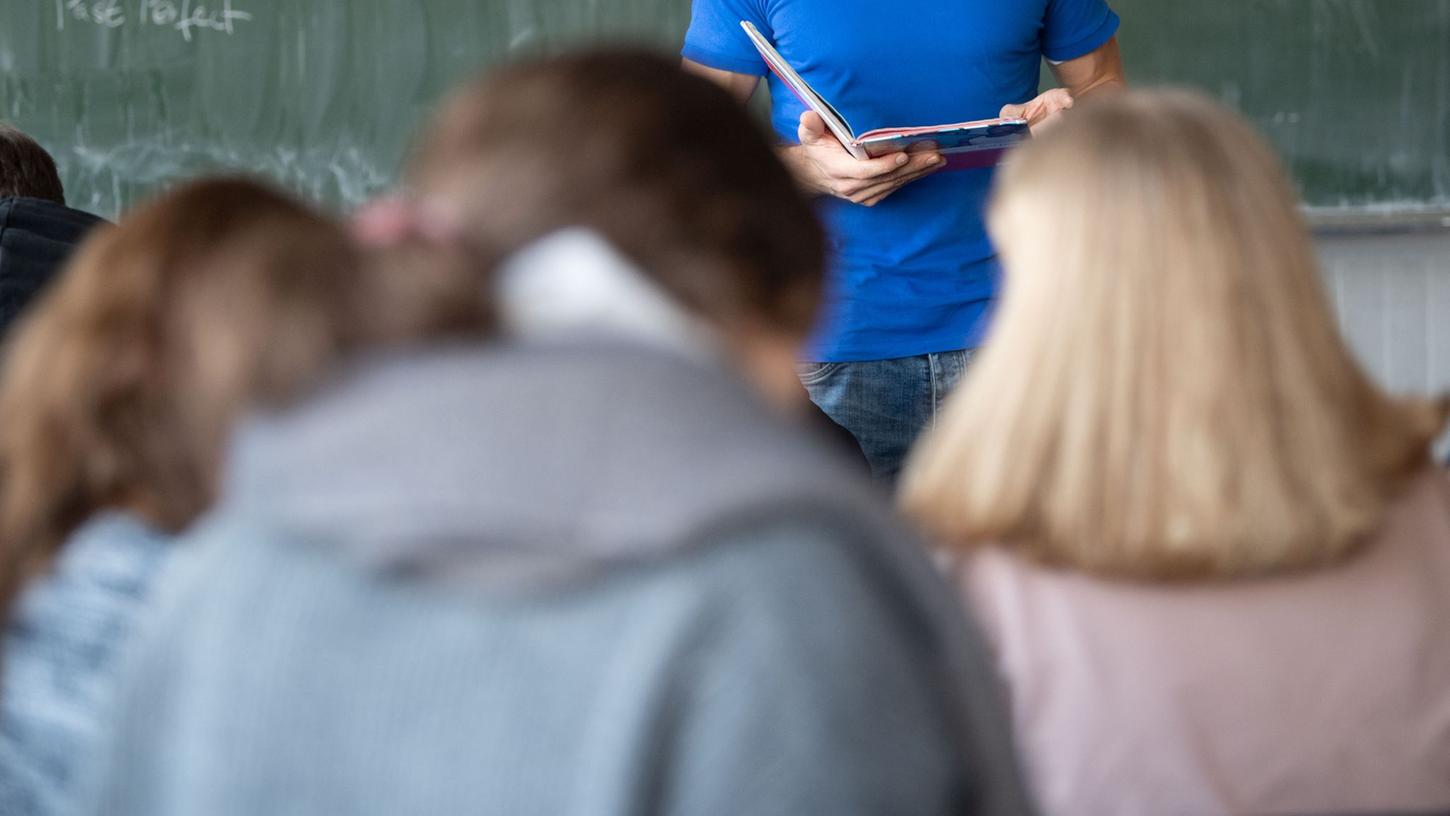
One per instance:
(916, 273)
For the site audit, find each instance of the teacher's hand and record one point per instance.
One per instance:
(822, 166)
(1044, 111)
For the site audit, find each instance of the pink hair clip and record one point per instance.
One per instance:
(392, 219)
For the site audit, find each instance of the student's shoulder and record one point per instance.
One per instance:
(833, 627)
(822, 572)
(105, 568)
(831, 543)
(767, 595)
(46, 218)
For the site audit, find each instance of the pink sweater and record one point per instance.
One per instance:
(1323, 692)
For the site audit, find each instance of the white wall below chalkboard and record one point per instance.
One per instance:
(1392, 294)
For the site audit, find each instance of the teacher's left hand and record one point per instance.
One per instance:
(1041, 112)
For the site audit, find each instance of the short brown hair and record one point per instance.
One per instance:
(665, 165)
(120, 386)
(26, 169)
(1164, 393)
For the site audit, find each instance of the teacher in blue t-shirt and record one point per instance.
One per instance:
(914, 271)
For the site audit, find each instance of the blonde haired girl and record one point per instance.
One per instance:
(1220, 579)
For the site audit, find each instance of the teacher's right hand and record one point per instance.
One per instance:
(823, 166)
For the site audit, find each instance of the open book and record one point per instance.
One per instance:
(964, 144)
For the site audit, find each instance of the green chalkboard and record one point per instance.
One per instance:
(324, 95)
(1354, 93)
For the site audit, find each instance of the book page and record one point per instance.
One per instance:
(803, 90)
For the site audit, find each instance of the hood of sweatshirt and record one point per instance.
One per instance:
(606, 426)
(532, 462)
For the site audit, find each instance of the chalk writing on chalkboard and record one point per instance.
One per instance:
(182, 16)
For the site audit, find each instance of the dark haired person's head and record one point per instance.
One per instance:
(664, 165)
(26, 169)
(119, 387)
(38, 232)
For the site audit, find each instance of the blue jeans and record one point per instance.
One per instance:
(885, 404)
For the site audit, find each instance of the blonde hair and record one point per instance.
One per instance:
(1164, 394)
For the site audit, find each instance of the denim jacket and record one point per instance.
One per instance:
(61, 658)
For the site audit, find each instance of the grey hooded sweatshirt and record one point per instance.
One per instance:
(575, 578)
